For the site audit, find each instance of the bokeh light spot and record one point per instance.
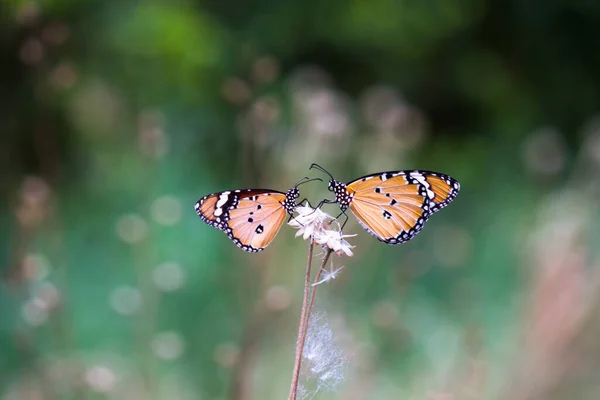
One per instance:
(95, 108)
(32, 51)
(28, 13)
(34, 313)
(100, 378)
(34, 202)
(166, 210)
(168, 345)
(277, 298)
(47, 296)
(168, 276)
(63, 76)
(35, 266)
(132, 228)
(265, 69)
(236, 91)
(125, 300)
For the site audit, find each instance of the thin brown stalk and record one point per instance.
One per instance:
(304, 318)
(312, 295)
(300, 343)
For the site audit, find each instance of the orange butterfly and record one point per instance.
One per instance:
(393, 206)
(250, 217)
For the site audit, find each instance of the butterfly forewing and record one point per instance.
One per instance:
(256, 220)
(445, 189)
(251, 217)
(394, 206)
(207, 206)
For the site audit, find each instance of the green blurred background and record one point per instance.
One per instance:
(116, 116)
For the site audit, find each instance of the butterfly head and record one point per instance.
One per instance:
(331, 185)
(342, 197)
(291, 196)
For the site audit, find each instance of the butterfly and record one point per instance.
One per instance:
(393, 206)
(250, 217)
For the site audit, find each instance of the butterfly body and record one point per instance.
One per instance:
(250, 217)
(393, 206)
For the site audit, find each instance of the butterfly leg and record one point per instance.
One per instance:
(305, 200)
(314, 208)
(309, 204)
(318, 205)
(325, 201)
(299, 204)
(345, 221)
(292, 217)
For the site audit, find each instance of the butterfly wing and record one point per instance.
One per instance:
(251, 218)
(444, 188)
(256, 220)
(394, 206)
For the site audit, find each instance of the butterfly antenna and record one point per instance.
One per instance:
(317, 166)
(303, 181)
(300, 180)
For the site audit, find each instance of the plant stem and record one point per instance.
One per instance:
(304, 319)
(312, 295)
(300, 343)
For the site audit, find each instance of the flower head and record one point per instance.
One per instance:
(309, 221)
(334, 240)
(314, 223)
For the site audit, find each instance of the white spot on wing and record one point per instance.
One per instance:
(421, 179)
(222, 199)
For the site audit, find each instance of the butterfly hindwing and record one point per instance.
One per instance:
(251, 217)
(256, 220)
(394, 206)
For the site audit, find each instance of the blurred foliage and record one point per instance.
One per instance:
(116, 116)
